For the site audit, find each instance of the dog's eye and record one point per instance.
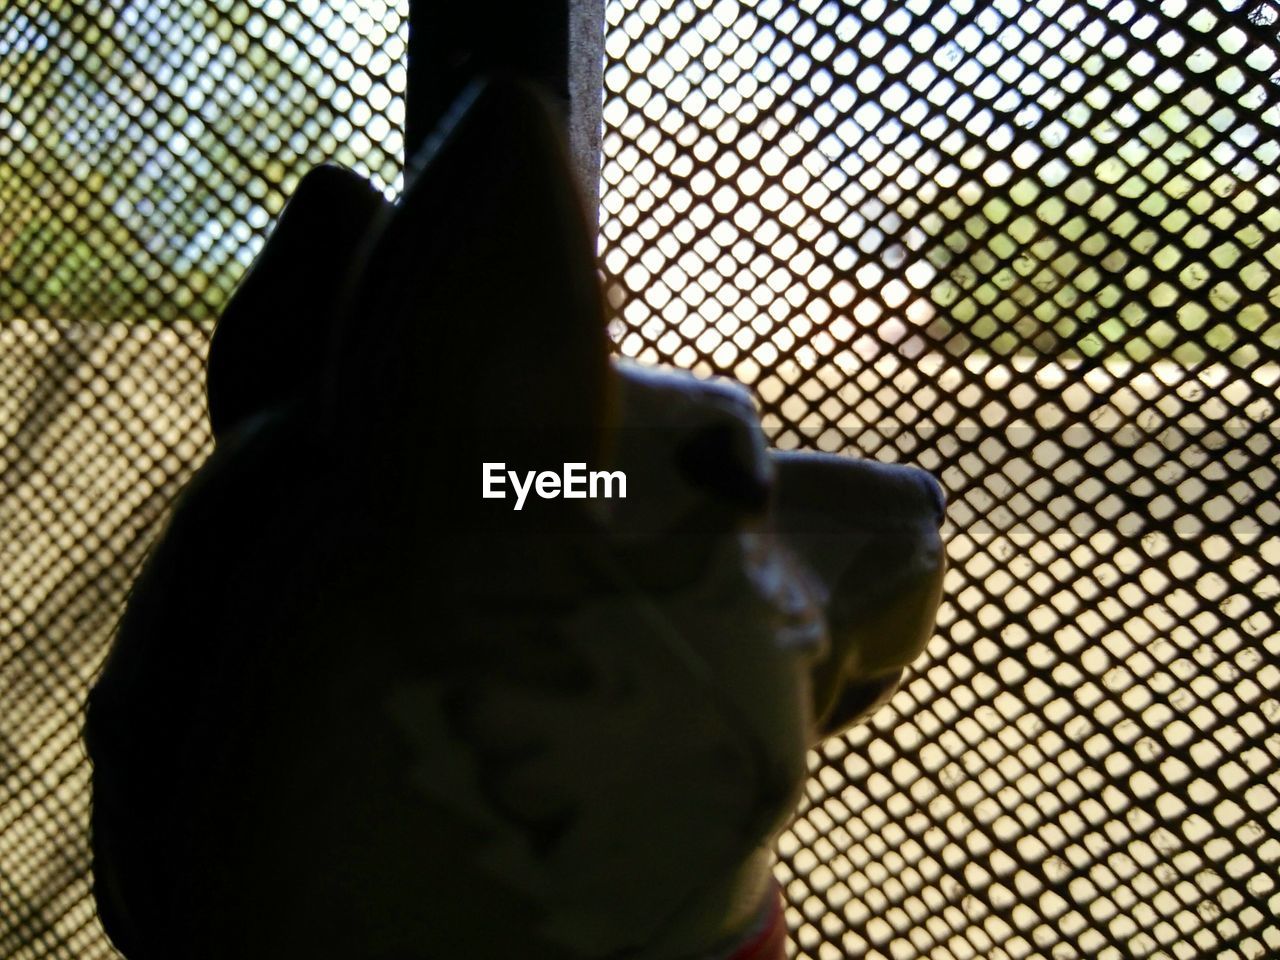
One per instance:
(717, 460)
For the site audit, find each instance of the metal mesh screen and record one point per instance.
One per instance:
(1029, 246)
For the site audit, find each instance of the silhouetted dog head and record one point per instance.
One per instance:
(389, 687)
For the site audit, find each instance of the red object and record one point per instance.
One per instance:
(770, 942)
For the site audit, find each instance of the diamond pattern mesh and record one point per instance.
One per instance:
(1030, 246)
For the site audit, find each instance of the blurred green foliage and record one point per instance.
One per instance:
(146, 148)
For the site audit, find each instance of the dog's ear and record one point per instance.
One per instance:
(477, 321)
(273, 336)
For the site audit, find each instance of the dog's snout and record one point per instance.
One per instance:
(869, 532)
(819, 489)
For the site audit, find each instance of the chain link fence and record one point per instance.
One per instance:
(1030, 246)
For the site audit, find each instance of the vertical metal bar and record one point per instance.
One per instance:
(586, 87)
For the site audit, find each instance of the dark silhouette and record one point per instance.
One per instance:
(357, 710)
